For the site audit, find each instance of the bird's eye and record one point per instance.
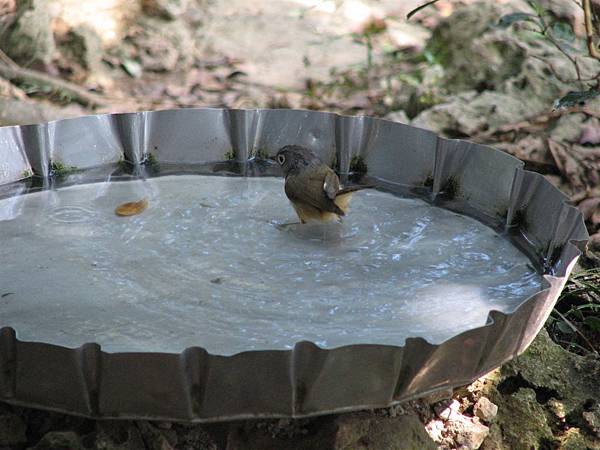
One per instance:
(280, 159)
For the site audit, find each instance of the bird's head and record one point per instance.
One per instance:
(292, 158)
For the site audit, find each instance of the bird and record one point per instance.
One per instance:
(312, 186)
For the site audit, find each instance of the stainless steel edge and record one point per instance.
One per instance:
(201, 387)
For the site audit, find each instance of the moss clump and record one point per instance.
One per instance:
(123, 165)
(428, 182)
(519, 219)
(450, 188)
(27, 173)
(358, 168)
(230, 155)
(60, 170)
(260, 153)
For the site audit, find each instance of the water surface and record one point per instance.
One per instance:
(205, 265)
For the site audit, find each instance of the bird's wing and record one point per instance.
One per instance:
(331, 184)
(309, 188)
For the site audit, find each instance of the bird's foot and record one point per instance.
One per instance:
(283, 226)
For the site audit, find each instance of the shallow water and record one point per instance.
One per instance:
(205, 265)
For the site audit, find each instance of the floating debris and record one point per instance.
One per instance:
(131, 208)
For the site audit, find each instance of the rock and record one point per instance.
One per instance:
(485, 409)
(12, 430)
(59, 440)
(544, 386)
(568, 128)
(163, 46)
(408, 35)
(524, 423)
(83, 46)
(473, 52)
(590, 132)
(166, 9)
(7, 89)
(398, 116)
(594, 242)
(573, 440)
(435, 429)
(467, 433)
(591, 419)
(469, 113)
(404, 432)
(445, 411)
(348, 431)
(29, 40)
(589, 207)
(192, 437)
(116, 435)
(154, 438)
(476, 54)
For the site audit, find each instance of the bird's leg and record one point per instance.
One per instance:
(283, 226)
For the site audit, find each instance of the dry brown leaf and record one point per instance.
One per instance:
(131, 208)
(595, 241)
(590, 133)
(579, 165)
(589, 207)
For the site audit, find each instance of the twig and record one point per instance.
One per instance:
(575, 329)
(589, 30)
(7, 60)
(11, 71)
(555, 73)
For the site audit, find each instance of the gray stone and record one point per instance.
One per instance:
(537, 389)
(163, 46)
(12, 430)
(469, 113)
(59, 440)
(29, 39)
(398, 116)
(472, 51)
(115, 435)
(485, 409)
(166, 9)
(404, 432)
(568, 128)
(445, 411)
(84, 46)
(467, 433)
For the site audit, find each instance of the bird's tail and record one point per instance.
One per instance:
(354, 188)
(343, 197)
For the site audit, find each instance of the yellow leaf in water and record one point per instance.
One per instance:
(131, 208)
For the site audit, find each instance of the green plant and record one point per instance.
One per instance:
(60, 170)
(575, 320)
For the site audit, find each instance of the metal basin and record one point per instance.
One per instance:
(203, 308)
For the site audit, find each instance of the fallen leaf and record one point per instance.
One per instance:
(589, 207)
(579, 165)
(590, 133)
(594, 242)
(131, 208)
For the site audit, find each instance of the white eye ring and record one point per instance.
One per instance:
(280, 159)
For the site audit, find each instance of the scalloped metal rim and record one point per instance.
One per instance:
(200, 387)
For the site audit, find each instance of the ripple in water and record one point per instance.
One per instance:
(207, 265)
(71, 214)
